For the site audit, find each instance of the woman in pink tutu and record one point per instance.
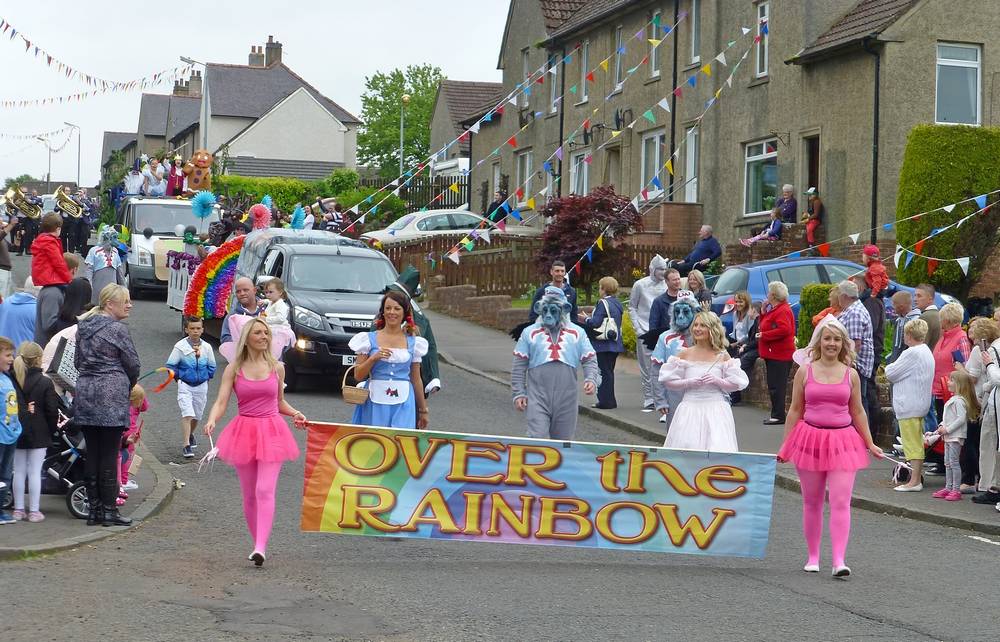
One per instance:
(827, 438)
(257, 441)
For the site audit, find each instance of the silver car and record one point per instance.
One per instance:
(420, 225)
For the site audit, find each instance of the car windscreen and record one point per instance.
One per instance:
(333, 273)
(401, 222)
(162, 219)
(731, 281)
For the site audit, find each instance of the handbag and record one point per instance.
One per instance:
(608, 330)
(62, 369)
(353, 394)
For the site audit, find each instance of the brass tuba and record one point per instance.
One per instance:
(67, 204)
(16, 200)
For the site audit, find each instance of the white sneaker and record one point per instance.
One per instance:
(811, 568)
(841, 572)
(663, 419)
(648, 408)
(903, 488)
(131, 484)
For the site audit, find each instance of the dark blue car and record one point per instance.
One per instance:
(794, 273)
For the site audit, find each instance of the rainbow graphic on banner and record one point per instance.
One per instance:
(435, 485)
(210, 285)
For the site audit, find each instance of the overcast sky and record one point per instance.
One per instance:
(333, 45)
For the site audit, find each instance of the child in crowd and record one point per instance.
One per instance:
(276, 312)
(39, 418)
(875, 275)
(192, 362)
(771, 233)
(10, 426)
(137, 405)
(961, 408)
(50, 272)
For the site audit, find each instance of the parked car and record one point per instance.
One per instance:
(156, 226)
(795, 273)
(437, 222)
(334, 287)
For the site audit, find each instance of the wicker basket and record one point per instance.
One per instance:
(353, 394)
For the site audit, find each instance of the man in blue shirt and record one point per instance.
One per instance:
(558, 273)
(706, 250)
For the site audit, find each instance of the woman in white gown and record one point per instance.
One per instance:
(704, 373)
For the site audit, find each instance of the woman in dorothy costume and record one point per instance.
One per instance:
(103, 264)
(390, 359)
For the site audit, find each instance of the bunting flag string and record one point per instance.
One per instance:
(34, 136)
(174, 74)
(32, 48)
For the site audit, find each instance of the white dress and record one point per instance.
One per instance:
(704, 419)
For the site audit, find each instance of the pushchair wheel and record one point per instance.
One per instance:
(76, 500)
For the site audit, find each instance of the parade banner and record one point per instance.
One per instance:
(361, 480)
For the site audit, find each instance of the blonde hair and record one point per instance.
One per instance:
(609, 284)
(29, 355)
(243, 350)
(110, 293)
(698, 275)
(716, 333)
(984, 328)
(847, 355)
(916, 329)
(136, 395)
(778, 290)
(965, 387)
(952, 313)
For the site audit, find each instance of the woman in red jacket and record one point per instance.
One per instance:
(776, 343)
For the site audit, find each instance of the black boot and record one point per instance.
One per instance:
(96, 513)
(114, 518)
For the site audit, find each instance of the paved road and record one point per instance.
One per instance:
(184, 574)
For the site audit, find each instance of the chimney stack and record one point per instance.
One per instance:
(180, 88)
(194, 85)
(256, 58)
(272, 52)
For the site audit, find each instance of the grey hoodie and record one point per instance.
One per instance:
(108, 366)
(643, 292)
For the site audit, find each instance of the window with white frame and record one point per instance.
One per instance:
(522, 99)
(760, 177)
(579, 182)
(584, 69)
(619, 57)
(524, 174)
(959, 77)
(692, 150)
(653, 145)
(763, 14)
(654, 51)
(553, 85)
(695, 19)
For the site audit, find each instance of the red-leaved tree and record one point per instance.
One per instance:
(577, 221)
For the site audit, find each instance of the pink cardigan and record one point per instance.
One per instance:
(944, 359)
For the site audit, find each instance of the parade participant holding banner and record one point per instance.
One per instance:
(705, 372)
(391, 357)
(257, 441)
(543, 375)
(827, 438)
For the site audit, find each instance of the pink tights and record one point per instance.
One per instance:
(258, 481)
(814, 486)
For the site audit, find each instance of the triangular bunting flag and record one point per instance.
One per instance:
(854, 238)
(512, 141)
(909, 258)
(635, 203)
(502, 226)
(588, 159)
(756, 39)
(744, 30)
(559, 153)
(656, 183)
(604, 64)
(729, 81)
(615, 133)
(932, 265)
(454, 187)
(823, 249)
(949, 208)
(519, 193)
(454, 257)
(887, 226)
(505, 206)
(544, 191)
(981, 201)
(590, 254)
(553, 70)
(516, 214)
(600, 242)
(470, 246)
(572, 89)
(648, 115)
(898, 255)
(645, 194)
(919, 247)
(795, 255)
(485, 235)
(693, 80)
(547, 167)
(678, 92)
(721, 58)
(577, 268)
(964, 264)
(670, 166)
(531, 203)
(707, 70)
(655, 42)
(540, 80)
(465, 239)
(590, 76)
(664, 104)
(631, 125)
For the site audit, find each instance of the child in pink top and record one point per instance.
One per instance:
(137, 405)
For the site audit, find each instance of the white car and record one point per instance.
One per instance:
(438, 222)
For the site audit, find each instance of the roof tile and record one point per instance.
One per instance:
(866, 18)
(464, 98)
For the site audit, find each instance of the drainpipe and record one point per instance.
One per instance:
(673, 97)
(866, 45)
(562, 117)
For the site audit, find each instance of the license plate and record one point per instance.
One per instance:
(361, 323)
(350, 359)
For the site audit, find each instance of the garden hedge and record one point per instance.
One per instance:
(814, 299)
(944, 164)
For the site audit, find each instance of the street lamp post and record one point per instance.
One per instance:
(48, 175)
(77, 128)
(402, 113)
(206, 108)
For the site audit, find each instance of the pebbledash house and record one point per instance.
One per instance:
(800, 108)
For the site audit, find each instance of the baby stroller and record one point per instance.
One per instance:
(62, 470)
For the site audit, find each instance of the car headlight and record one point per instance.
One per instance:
(308, 318)
(145, 258)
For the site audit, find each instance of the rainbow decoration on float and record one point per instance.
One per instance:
(210, 285)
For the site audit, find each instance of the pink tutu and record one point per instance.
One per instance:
(824, 449)
(246, 439)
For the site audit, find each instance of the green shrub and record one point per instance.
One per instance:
(628, 333)
(286, 192)
(944, 164)
(341, 180)
(814, 299)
